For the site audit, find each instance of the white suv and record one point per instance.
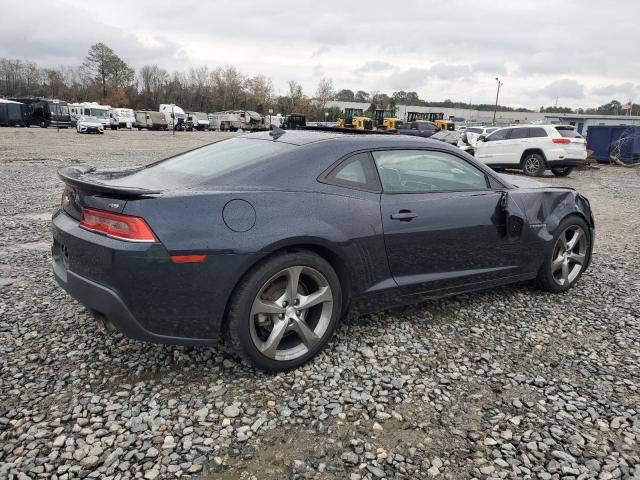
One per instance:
(533, 148)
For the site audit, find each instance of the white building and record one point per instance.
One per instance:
(461, 115)
(583, 122)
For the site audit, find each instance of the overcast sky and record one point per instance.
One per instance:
(585, 52)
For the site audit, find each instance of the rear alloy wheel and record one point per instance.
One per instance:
(561, 171)
(569, 256)
(533, 165)
(285, 311)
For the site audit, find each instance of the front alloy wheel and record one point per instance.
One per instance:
(284, 311)
(533, 165)
(569, 255)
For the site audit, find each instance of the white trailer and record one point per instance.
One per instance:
(122, 118)
(174, 115)
(91, 109)
(236, 120)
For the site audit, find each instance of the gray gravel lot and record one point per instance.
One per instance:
(508, 383)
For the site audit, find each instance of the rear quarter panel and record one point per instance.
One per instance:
(343, 221)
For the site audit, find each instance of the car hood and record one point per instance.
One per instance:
(523, 182)
(83, 123)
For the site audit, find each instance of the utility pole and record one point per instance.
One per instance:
(500, 84)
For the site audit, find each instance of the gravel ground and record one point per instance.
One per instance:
(508, 383)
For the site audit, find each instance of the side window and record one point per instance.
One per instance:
(519, 133)
(537, 132)
(418, 171)
(355, 172)
(501, 134)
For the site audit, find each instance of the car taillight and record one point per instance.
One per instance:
(561, 140)
(117, 225)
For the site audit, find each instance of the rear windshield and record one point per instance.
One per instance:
(568, 132)
(211, 161)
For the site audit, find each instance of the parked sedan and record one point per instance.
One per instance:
(419, 128)
(447, 136)
(88, 124)
(269, 239)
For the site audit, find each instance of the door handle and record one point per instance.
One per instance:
(404, 215)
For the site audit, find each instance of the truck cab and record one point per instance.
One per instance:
(174, 116)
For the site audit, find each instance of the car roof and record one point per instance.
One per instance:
(373, 140)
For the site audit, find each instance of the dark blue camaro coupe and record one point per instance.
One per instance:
(268, 240)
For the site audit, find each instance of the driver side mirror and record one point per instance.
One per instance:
(482, 138)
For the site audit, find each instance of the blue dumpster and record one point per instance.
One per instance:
(621, 140)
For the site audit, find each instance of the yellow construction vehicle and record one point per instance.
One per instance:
(385, 120)
(362, 123)
(349, 115)
(435, 117)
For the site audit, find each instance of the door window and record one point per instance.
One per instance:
(519, 133)
(501, 134)
(416, 171)
(537, 132)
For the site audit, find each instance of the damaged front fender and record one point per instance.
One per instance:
(545, 208)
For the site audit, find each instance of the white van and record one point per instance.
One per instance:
(91, 109)
(122, 118)
(174, 115)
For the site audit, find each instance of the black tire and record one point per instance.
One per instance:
(240, 323)
(533, 164)
(546, 279)
(562, 171)
(43, 124)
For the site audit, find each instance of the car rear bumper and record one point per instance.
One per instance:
(137, 289)
(109, 307)
(566, 162)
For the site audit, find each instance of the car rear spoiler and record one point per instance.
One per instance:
(86, 177)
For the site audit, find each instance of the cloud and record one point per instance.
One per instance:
(564, 88)
(374, 66)
(320, 51)
(318, 71)
(622, 89)
(455, 49)
(414, 78)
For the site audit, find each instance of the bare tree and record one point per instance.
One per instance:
(324, 92)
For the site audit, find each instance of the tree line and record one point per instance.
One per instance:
(108, 79)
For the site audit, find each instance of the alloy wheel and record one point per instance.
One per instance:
(532, 164)
(291, 313)
(569, 255)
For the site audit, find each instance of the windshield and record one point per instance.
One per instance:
(58, 109)
(87, 118)
(209, 162)
(99, 113)
(201, 116)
